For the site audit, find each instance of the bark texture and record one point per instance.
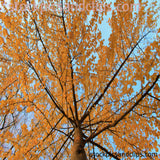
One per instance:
(78, 152)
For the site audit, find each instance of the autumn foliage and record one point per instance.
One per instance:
(82, 78)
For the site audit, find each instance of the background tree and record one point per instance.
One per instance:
(64, 84)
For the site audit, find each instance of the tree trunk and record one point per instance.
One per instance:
(78, 152)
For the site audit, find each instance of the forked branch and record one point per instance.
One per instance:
(125, 113)
(110, 82)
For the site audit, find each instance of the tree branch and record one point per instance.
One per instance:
(58, 106)
(74, 94)
(110, 82)
(105, 150)
(154, 97)
(62, 146)
(124, 114)
(64, 26)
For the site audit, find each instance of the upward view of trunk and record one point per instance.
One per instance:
(78, 152)
(79, 79)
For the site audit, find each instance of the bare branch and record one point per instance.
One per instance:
(105, 150)
(64, 26)
(154, 97)
(61, 147)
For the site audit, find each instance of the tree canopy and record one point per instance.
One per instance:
(79, 73)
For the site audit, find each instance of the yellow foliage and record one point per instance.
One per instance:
(1, 40)
(62, 70)
(5, 32)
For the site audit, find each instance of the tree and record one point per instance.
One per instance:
(66, 86)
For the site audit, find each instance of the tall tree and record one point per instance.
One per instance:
(67, 91)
